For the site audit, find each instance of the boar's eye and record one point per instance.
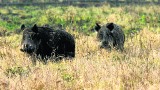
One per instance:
(32, 36)
(29, 37)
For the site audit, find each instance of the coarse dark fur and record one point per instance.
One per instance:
(46, 42)
(111, 36)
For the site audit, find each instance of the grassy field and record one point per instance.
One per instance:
(137, 68)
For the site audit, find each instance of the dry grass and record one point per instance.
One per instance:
(137, 68)
(92, 68)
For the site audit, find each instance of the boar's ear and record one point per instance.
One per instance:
(97, 27)
(110, 26)
(35, 28)
(23, 27)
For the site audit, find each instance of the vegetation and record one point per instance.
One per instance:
(31, 1)
(138, 67)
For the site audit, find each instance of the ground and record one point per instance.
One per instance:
(92, 68)
(138, 67)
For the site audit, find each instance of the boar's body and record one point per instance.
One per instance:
(111, 36)
(46, 42)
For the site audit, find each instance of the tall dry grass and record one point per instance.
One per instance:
(138, 67)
